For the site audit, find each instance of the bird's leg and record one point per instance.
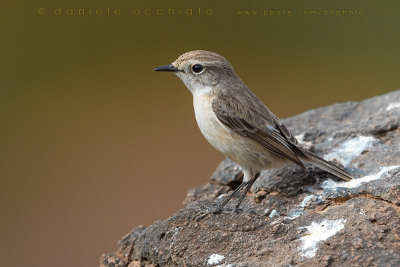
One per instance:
(249, 184)
(221, 206)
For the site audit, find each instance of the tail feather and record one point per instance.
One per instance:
(326, 165)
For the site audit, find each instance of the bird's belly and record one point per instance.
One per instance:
(241, 150)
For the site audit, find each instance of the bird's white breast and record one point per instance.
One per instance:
(212, 129)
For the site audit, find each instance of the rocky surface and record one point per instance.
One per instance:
(292, 218)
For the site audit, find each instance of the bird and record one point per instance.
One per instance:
(237, 123)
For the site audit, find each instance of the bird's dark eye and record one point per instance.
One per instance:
(197, 68)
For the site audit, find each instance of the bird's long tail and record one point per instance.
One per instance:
(326, 165)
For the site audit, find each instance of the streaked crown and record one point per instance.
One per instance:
(200, 56)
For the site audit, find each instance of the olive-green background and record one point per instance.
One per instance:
(94, 143)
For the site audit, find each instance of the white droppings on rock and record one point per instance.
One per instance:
(330, 184)
(293, 214)
(313, 198)
(215, 259)
(350, 149)
(274, 214)
(300, 210)
(300, 139)
(393, 106)
(362, 212)
(317, 232)
(357, 182)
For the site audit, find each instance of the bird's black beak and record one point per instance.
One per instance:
(170, 68)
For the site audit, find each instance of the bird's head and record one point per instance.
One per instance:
(200, 70)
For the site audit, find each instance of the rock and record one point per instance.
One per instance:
(294, 217)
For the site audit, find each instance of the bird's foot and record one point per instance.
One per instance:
(238, 210)
(202, 215)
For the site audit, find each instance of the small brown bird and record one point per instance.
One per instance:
(237, 123)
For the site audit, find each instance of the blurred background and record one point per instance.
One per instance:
(94, 143)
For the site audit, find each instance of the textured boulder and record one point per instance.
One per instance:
(293, 217)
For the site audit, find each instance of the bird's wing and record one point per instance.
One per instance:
(249, 117)
(282, 128)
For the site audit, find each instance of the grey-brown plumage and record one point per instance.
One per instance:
(236, 122)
